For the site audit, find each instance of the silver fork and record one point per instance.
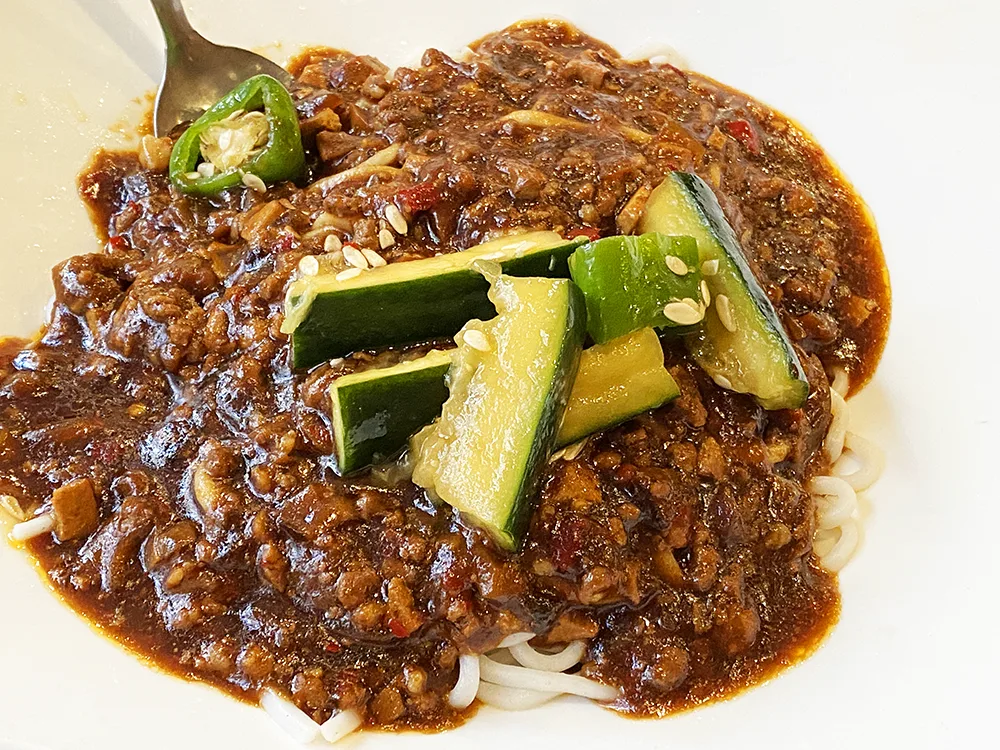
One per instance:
(198, 73)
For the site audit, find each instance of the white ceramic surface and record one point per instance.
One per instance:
(902, 94)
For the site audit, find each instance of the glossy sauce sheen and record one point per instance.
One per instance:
(226, 550)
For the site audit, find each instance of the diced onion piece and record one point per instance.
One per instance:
(289, 717)
(340, 725)
(464, 692)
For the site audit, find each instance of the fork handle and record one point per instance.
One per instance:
(177, 30)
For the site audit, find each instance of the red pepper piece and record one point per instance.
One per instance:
(591, 233)
(117, 243)
(745, 133)
(397, 628)
(419, 197)
(332, 647)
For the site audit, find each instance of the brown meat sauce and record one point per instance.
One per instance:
(225, 548)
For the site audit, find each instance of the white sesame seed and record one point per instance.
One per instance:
(477, 340)
(350, 273)
(225, 139)
(683, 313)
(723, 381)
(676, 265)
(308, 265)
(725, 312)
(206, 169)
(705, 296)
(355, 257)
(254, 182)
(193, 175)
(332, 244)
(325, 219)
(385, 239)
(395, 219)
(710, 267)
(374, 259)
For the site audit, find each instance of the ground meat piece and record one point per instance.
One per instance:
(334, 145)
(668, 670)
(354, 587)
(85, 282)
(387, 706)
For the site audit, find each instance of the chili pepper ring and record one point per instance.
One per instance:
(280, 158)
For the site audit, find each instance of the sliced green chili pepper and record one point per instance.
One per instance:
(233, 138)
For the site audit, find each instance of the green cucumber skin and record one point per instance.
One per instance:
(605, 268)
(711, 213)
(409, 312)
(425, 394)
(376, 427)
(556, 399)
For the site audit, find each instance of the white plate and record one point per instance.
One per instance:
(902, 94)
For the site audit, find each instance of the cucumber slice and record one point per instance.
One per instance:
(375, 412)
(616, 381)
(628, 281)
(746, 349)
(404, 303)
(509, 386)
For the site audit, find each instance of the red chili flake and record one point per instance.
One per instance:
(284, 243)
(332, 647)
(117, 243)
(567, 542)
(591, 233)
(397, 628)
(419, 197)
(745, 133)
(106, 452)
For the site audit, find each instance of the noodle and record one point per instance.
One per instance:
(836, 494)
(464, 692)
(870, 458)
(512, 699)
(289, 717)
(536, 679)
(340, 725)
(568, 658)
